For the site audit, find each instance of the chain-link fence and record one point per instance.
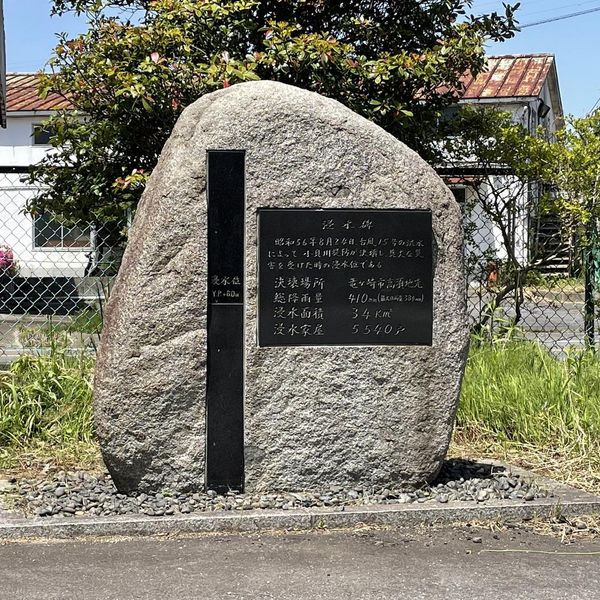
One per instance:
(526, 270)
(55, 276)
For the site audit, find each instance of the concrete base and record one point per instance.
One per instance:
(566, 501)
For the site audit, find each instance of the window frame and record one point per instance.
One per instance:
(462, 189)
(89, 246)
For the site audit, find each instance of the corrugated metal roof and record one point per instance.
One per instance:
(511, 76)
(22, 94)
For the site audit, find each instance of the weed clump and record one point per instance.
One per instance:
(518, 396)
(48, 398)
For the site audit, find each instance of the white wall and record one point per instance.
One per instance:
(525, 111)
(16, 227)
(486, 242)
(16, 142)
(487, 239)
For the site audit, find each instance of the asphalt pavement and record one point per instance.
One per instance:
(456, 563)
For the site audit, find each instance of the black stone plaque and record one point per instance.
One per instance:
(225, 352)
(225, 226)
(345, 277)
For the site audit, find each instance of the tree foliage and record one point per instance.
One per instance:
(142, 61)
(509, 169)
(566, 161)
(573, 167)
(519, 177)
(574, 170)
(491, 139)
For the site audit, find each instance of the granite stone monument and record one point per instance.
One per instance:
(290, 311)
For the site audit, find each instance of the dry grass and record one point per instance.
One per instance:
(568, 529)
(40, 458)
(566, 466)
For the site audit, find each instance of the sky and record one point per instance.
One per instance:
(574, 42)
(30, 37)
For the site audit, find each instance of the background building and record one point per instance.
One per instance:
(527, 87)
(41, 246)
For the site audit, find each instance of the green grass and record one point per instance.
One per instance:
(518, 400)
(46, 399)
(89, 320)
(43, 335)
(49, 333)
(535, 279)
(518, 403)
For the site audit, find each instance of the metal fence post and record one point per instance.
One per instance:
(592, 283)
(589, 328)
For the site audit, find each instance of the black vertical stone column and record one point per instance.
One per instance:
(225, 360)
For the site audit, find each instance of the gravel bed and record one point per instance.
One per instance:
(79, 493)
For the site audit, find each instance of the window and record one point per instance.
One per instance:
(460, 194)
(41, 134)
(450, 113)
(50, 233)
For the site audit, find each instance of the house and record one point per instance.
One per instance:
(41, 246)
(50, 260)
(527, 87)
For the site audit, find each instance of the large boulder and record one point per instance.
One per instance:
(314, 415)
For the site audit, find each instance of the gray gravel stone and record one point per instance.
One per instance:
(6, 486)
(456, 483)
(374, 415)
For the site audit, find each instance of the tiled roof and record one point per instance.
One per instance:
(22, 94)
(511, 76)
